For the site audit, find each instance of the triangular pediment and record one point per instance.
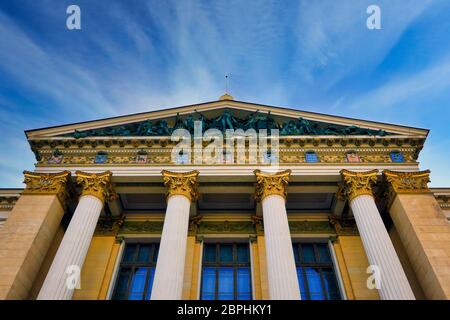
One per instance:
(222, 115)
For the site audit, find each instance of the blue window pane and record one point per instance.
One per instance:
(226, 283)
(324, 253)
(122, 284)
(155, 254)
(397, 156)
(144, 253)
(208, 283)
(331, 284)
(138, 284)
(151, 276)
(243, 284)
(244, 296)
(301, 283)
(226, 253)
(308, 253)
(129, 253)
(311, 157)
(314, 284)
(210, 253)
(242, 253)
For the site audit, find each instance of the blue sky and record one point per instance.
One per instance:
(133, 56)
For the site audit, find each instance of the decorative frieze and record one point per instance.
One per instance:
(310, 227)
(287, 155)
(151, 227)
(357, 183)
(185, 184)
(98, 185)
(271, 184)
(208, 227)
(47, 183)
(200, 227)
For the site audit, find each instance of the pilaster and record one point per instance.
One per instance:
(422, 228)
(29, 231)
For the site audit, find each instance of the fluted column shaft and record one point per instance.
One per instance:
(281, 270)
(168, 282)
(96, 188)
(169, 273)
(282, 273)
(72, 250)
(375, 238)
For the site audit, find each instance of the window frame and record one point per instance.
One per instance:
(218, 264)
(132, 266)
(318, 265)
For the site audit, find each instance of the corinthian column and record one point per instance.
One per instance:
(69, 259)
(181, 191)
(282, 273)
(357, 186)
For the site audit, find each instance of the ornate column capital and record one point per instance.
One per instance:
(185, 184)
(408, 182)
(47, 183)
(98, 185)
(357, 183)
(270, 184)
(397, 182)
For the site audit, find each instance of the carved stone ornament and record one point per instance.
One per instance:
(137, 227)
(47, 183)
(397, 182)
(212, 227)
(344, 227)
(357, 183)
(185, 184)
(109, 225)
(408, 182)
(271, 184)
(96, 184)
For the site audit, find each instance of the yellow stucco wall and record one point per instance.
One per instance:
(353, 265)
(190, 268)
(97, 269)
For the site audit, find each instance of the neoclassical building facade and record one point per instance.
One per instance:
(336, 209)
